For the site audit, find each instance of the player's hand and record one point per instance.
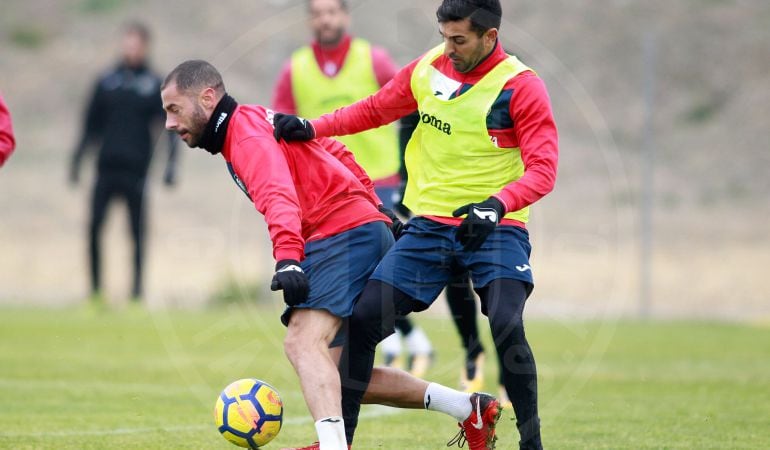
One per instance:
(292, 128)
(481, 222)
(398, 226)
(290, 278)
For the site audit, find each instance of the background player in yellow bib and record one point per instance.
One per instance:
(335, 70)
(486, 148)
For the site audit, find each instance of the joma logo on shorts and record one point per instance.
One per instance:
(436, 123)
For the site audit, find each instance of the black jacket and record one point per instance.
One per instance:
(123, 117)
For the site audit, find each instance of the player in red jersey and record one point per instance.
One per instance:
(326, 225)
(7, 141)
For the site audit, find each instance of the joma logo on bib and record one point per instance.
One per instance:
(436, 123)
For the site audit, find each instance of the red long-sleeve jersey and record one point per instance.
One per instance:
(521, 117)
(306, 191)
(7, 141)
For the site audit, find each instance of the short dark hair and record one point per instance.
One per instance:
(195, 75)
(138, 28)
(484, 14)
(343, 4)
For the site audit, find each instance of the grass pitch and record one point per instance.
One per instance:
(73, 380)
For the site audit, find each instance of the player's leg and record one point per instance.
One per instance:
(374, 317)
(503, 278)
(372, 320)
(307, 346)
(504, 300)
(100, 199)
(462, 305)
(338, 268)
(135, 199)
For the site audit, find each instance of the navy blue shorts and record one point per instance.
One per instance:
(427, 254)
(339, 266)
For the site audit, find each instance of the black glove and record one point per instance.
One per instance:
(292, 128)
(481, 222)
(398, 226)
(290, 278)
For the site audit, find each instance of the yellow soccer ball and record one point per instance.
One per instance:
(249, 413)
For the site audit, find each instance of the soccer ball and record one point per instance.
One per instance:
(249, 413)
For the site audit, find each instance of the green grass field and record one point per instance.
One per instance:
(70, 380)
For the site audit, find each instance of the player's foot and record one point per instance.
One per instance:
(472, 376)
(505, 402)
(313, 446)
(478, 430)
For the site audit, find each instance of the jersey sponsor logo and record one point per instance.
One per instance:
(435, 122)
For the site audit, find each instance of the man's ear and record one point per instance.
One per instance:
(491, 36)
(208, 99)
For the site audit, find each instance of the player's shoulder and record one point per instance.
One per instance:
(250, 121)
(526, 80)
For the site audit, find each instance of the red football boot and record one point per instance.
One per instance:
(478, 430)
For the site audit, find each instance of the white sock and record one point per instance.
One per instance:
(417, 342)
(448, 401)
(331, 433)
(391, 345)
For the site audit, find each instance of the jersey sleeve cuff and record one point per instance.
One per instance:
(320, 128)
(505, 199)
(288, 253)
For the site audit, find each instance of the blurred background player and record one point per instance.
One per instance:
(335, 70)
(124, 118)
(7, 141)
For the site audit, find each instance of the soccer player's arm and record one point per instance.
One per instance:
(7, 141)
(345, 156)
(261, 165)
(283, 95)
(92, 128)
(536, 133)
(390, 103)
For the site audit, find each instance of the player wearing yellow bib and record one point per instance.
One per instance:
(485, 149)
(336, 70)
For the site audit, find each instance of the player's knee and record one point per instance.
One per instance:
(298, 343)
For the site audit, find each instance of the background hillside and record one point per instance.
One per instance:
(711, 122)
